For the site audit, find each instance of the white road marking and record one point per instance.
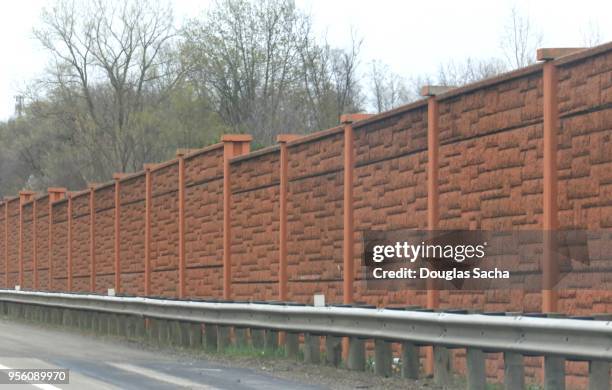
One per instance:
(39, 386)
(156, 375)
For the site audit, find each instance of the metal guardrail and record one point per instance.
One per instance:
(556, 339)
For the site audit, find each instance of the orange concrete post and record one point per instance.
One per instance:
(24, 197)
(69, 247)
(233, 145)
(147, 249)
(20, 238)
(181, 222)
(92, 237)
(433, 207)
(34, 244)
(283, 282)
(550, 221)
(6, 240)
(348, 247)
(348, 252)
(550, 207)
(117, 178)
(55, 194)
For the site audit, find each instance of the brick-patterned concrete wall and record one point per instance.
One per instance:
(81, 264)
(28, 254)
(132, 228)
(105, 238)
(491, 171)
(59, 252)
(204, 215)
(585, 166)
(164, 229)
(390, 188)
(42, 241)
(255, 224)
(490, 178)
(314, 203)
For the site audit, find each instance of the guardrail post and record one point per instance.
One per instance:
(113, 324)
(122, 325)
(195, 335)
(165, 332)
(240, 337)
(333, 350)
(65, 317)
(554, 373)
(599, 375)
(312, 348)
(210, 337)
(514, 371)
(410, 360)
(476, 377)
(257, 338)
(356, 354)
(233, 145)
(383, 357)
(271, 339)
(223, 337)
(140, 330)
(292, 345)
(152, 331)
(442, 365)
(130, 324)
(180, 334)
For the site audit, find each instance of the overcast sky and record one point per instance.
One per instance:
(413, 37)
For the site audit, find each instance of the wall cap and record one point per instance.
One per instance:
(351, 118)
(185, 151)
(119, 175)
(283, 138)
(236, 138)
(552, 53)
(433, 90)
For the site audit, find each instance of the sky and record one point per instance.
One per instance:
(412, 37)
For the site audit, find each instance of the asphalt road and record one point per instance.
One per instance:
(97, 363)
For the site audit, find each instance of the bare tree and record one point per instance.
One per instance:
(330, 83)
(110, 60)
(520, 40)
(264, 70)
(454, 73)
(591, 34)
(387, 89)
(245, 55)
